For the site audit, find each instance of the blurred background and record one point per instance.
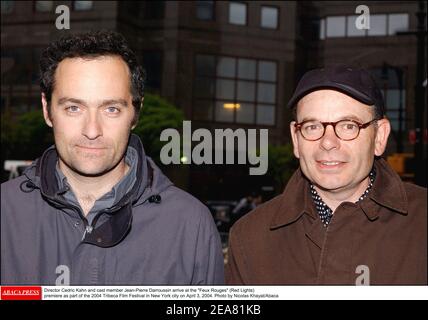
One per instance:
(225, 64)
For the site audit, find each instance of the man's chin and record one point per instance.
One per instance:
(91, 172)
(329, 185)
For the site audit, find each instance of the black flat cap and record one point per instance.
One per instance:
(354, 82)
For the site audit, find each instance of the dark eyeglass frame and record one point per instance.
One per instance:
(298, 127)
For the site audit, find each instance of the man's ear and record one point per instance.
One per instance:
(294, 139)
(135, 122)
(141, 108)
(382, 133)
(45, 111)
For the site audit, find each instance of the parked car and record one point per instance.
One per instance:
(16, 167)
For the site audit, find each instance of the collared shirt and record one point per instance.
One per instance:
(324, 211)
(110, 198)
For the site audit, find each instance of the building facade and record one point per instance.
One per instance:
(226, 64)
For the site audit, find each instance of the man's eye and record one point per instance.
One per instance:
(73, 109)
(112, 110)
(312, 127)
(350, 126)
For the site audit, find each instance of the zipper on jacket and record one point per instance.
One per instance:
(88, 228)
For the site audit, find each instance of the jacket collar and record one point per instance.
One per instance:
(46, 164)
(387, 191)
(118, 225)
(295, 202)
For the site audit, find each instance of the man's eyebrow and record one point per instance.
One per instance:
(103, 102)
(308, 119)
(352, 117)
(64, 100)
(114, 101)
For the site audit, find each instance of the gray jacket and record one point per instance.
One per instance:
(156, 234)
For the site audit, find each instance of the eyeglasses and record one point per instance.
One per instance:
(347, 130)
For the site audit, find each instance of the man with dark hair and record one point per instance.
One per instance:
(94, 209)
(345, 217)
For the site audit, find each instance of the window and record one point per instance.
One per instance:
(352, 28)
(237, 13)
(246, 69)
(391, 81)
(245, 113)
(265, 114)
(397, 22)
(267, 71)
(245, 90)
(335, 27)
(322, 29)
(392, 102)
(82, 5)
(266, 92)
(152, 63)
(269, 17)
(226, 67)
(44, 6)
(224, 111)
(235, 90)
(225, 89)
(377, 25)
(380, 25)
(6, 7)
(205, 10)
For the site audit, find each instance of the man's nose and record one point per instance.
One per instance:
(92, 128)
(329, 141)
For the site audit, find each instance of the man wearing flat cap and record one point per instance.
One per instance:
(345, 217)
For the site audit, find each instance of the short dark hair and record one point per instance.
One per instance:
(91, 45)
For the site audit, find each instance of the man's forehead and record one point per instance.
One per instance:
(83, 65)
(103, 73)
